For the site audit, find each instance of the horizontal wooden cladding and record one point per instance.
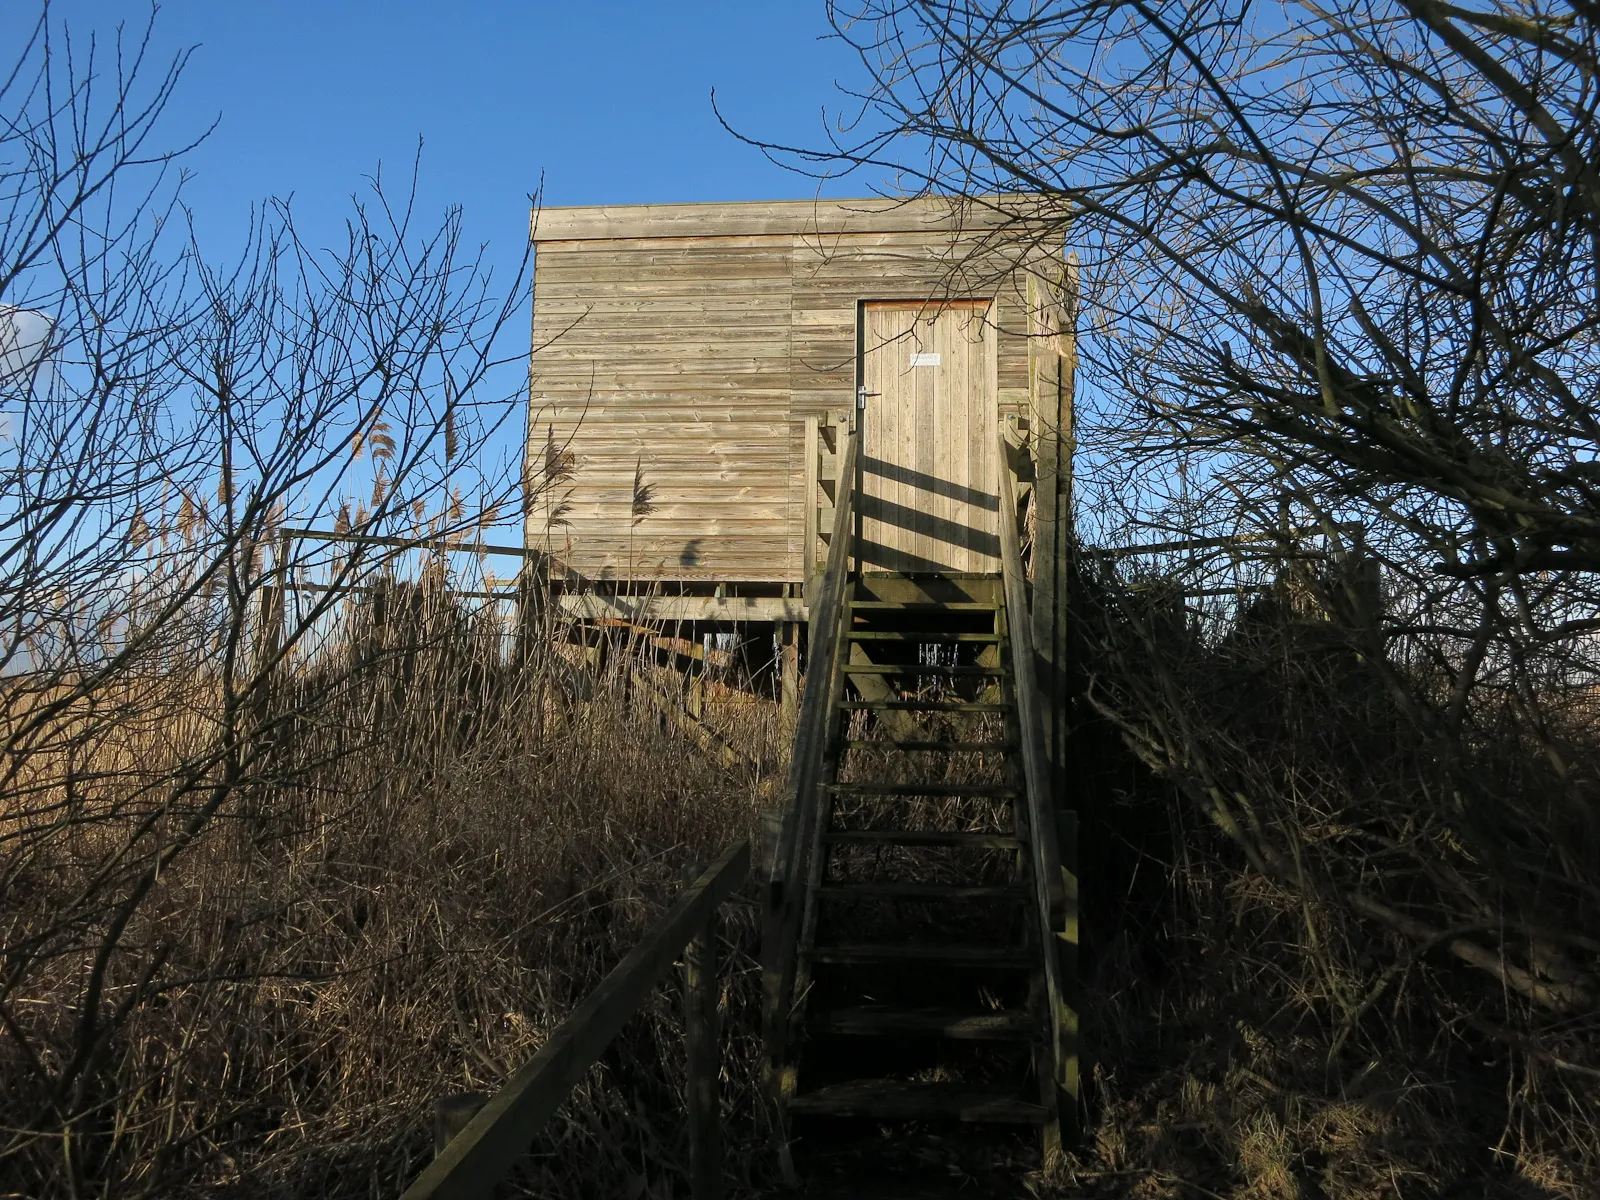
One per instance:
(912, 268)
(741, 471)
(769, 217)
(677, 524)
(663, 314)
(689, 337)
(652, 408)
(830, 277)
(682, 608)
(665, 291)
(667, 438)
(742, 466)
(699, 554)
(623, 340)
(578, 381)
(569, 256)
(761, 406)
(698, 267)
(689, 343)
(683, 454)
(669, 360)
(713, 358)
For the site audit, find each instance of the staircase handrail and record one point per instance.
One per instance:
(790, 857)
(481, 1153)
(1050, 888)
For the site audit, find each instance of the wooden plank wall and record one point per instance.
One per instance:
(672, 356)
(697, 360)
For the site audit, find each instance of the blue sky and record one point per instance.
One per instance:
(610, 103)
(603, 104)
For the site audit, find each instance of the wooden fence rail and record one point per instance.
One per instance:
(500, 1132)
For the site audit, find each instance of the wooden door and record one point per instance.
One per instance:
(929, 501)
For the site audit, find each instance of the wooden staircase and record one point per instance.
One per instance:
(921, 933)
(919, 965)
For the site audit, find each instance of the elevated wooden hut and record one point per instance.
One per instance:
(693, 362)
(827, 412)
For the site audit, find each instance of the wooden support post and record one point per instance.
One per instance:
(271, 615)
(1052, 352)
(809, 509)
(1069, 1045)
(450, 1117)
(789, 684)
(700, 994)
(531, 634)
(694, 700)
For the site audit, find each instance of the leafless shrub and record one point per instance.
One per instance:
(1338, 300)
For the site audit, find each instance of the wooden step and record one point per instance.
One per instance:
(1008, 1025)
(924, 669)
(997, 790)
(862, 954)
(913, 745)
(922, 837)
(913, 635)
(925, 705)
(897, 1100)
(923, 891)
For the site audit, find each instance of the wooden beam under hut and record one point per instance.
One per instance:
(678, 718)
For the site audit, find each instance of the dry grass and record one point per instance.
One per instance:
(451, 853)
(1260, 1035)
(442, 853)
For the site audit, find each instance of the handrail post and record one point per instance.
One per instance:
(700, 994)
(1056, 882)
(783, 908)
(498, 1134)
(451, 1114)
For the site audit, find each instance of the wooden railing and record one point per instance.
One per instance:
(481, 1154)
(792, 852)
(825, 435)
(1056, 889)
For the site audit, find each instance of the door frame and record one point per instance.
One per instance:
(991, 302)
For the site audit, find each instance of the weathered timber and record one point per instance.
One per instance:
(759, 218)
(790, 866)
(958, 1026)
(929, 502)
(451, 1114)
(1053, 354)
(690, 344)
(700, 1029)
(1057, 888)
(788, 681)
(921, 1101)
(596, 605)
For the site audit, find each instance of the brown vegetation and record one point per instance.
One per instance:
(408, 909)
(1327, 989)
(275, 875)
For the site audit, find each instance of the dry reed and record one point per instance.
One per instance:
(440, 856)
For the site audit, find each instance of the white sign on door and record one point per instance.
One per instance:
(924, 360)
